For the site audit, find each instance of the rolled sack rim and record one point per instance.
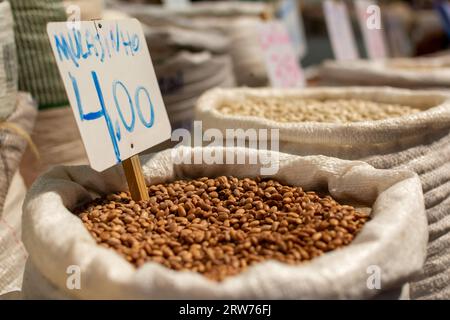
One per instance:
(433, 119)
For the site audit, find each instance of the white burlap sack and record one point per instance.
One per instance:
(217, 9)
(349, 141)
(246, 51)
(89, 9)
(164, 42)
(419, 142)
(8, 62)
(185, 77)
(12, 252)
(63, 148)
(404, 73)
(394, 240)
(238, 22)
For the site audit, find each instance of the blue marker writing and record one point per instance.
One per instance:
(98, 114)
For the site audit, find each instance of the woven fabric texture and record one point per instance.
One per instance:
(38, 72)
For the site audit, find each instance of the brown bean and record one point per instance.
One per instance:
(219, 227)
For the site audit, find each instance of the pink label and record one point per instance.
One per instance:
(281, 60)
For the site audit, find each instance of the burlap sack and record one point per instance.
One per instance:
(420, 142)
(58, 141)
(12, 192)
(8, 62)
(249, 62)
(394, 240)
(38, 73)
(13, 254)
(431, 162)
(13, 140)
(185, 76)
(239, 23)
(402, 72)
(89, 9)
(218, 9)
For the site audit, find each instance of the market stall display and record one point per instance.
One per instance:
(394, 239)
(13, 254)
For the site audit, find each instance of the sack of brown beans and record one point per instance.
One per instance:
(318, 228)
(389, 128)
(400, 72)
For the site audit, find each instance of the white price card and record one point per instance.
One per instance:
(370, 21)
(281, 60)
(340, 30)
(176, 4)
(112, 88)
(289, 13)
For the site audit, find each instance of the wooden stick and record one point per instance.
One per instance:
(135, 178)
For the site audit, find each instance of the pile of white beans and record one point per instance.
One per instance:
(312, 110)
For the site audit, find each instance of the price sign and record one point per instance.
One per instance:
(340, 30)
(280, 58)
(112, 89)
(369, 17)
(289, 13)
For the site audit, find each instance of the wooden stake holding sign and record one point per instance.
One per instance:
(135, 178)
(113, 91)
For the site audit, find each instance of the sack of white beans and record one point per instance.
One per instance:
(392, 242)
(388, 128)
(410, 73)
(165, 42)
(431, 161)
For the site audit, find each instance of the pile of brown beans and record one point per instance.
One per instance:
(218, 227)
(284, 109)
